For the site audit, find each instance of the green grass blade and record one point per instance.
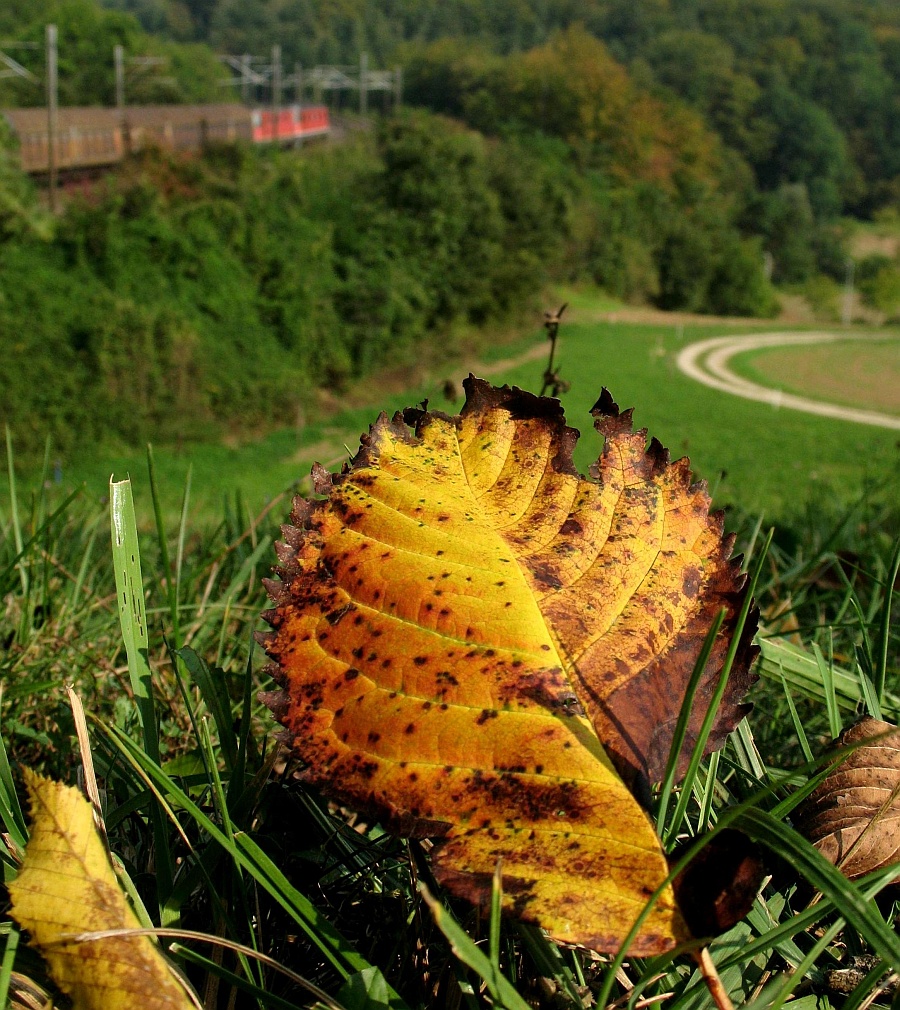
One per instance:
(795, 719)
(246, 853)
(731, 816)
(548, 960)
(884, 633)
(779, 938)
(127, 885)
(861, 913)
(466, 950)
(6, 966)
(706, 727)
(171, 591)
(14, 510)
(804, 674)
(866, 645)
(264, 998)
(43, 484)
(760, 918)
(684, 715)
(85, 566)
(182, 532)
(774, 995)
(870, 695)
(21, 553)
(709, 789)
(747, 753)
(10, 808)
(133, 622)
(215, 697)
(241, 766)
(132, 610)
(336, 948)
(366, 990)
(826, 673)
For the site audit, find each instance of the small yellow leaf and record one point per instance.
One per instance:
(67, 887)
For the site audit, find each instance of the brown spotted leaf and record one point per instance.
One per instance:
(477, 644)
(853, 816)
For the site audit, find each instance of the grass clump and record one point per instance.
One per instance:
(249, 855)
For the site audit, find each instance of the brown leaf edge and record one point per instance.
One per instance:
(639, 738)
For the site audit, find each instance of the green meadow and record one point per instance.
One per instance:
(770, 462)
(301, 882)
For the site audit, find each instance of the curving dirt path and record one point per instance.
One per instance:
(707, 361)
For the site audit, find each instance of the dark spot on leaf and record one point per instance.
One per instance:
(691, 585)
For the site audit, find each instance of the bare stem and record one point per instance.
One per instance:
(711, 977)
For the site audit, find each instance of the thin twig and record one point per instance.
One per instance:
(711, 977)
(87, 764)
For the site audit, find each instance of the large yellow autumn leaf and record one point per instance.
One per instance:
(67, 887)
(479, 645)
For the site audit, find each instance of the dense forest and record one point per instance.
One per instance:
(687, 153)
(805, 91)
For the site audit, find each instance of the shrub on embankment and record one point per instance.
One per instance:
(183, 298)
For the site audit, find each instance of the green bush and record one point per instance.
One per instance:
(878, 278)
(192, 296)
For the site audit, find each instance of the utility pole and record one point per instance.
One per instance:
(52, 114)
(398, 87)
(363, 82)
(298, 99)
(276, 89)
(245, 78)
(119, 59)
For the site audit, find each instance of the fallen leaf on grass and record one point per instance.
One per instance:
(67, 887)
(853, 816)
(481, 646)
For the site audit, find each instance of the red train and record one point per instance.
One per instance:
(93, 137)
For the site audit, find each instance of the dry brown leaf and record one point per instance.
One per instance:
(67, 887)
(853, 816)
